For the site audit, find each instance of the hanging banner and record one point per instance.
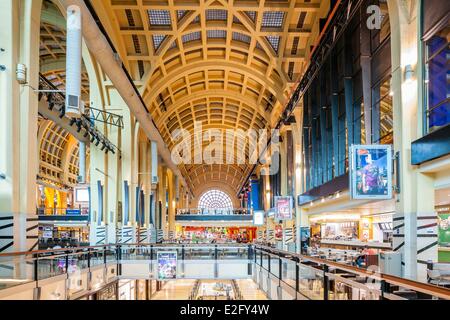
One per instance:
(283, 208)
(167, 265)
(371, 171)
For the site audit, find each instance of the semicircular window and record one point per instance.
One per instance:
(215, 199)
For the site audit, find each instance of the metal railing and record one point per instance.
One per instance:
(321, 279)
(307, 277)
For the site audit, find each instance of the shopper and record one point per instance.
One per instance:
(360, 258)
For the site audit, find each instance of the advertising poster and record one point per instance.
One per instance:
(258, 218)
(283, 208)
(167, 265)
(304, 239)
(371, 172)
(278, 232)
(444, 230)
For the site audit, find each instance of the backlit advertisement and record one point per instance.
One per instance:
(444, 230)
(278, 232)
(167, 265)
(371, 172)
(258, 218)
(283, 207)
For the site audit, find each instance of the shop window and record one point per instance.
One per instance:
(437, 80)
(359, 132)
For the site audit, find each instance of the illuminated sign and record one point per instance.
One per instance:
(283, 207)
(258, 218)
(81, 195)
(371, 172)
(167, 265)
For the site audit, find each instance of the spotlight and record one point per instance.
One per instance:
(103, 146)
(98, 141)
(92, 138)
(72, 121)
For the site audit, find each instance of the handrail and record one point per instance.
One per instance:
(84, 248)
(403, 282)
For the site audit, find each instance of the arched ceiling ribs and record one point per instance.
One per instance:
(213, 93)
(227, 63)
(176, 74)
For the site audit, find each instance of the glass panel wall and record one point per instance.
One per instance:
(437, 78)
(334, 110)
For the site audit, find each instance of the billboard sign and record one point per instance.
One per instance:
(167, 265)
(258, 218)
(283, 207)
(371, 172)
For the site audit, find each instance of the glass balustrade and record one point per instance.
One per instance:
(280, 274)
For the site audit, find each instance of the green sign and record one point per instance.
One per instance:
(444, 230)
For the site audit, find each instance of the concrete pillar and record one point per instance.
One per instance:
(19, 21)
(108, 170)
(301, 217)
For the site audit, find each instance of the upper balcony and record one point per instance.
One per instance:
(240, 216)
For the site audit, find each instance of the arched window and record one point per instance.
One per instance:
(215, 199)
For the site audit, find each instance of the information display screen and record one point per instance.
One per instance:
(371, 172)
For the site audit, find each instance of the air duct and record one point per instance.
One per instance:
(100, 48)
(73, 62)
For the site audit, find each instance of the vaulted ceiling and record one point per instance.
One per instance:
(230, 64)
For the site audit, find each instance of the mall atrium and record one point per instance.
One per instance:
(224, 150)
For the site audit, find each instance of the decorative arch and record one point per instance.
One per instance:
(215, 199)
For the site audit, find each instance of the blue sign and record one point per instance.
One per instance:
(73, 212)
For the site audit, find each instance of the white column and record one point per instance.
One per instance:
(19, 21)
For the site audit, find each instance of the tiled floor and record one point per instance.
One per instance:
(175, 290)
(181, 289)
(250, 291)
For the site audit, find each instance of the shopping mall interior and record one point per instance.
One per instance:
(224, 150)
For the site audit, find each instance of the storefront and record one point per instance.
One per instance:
(107, 293)
(216, 234)
(127, 289)
(358, 225)
(443, 214)
(67, 233)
